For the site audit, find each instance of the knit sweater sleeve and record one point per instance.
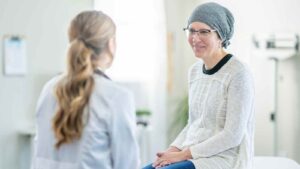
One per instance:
(182, 135)
(180, 138)
(239, 108)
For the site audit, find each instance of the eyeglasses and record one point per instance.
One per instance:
(201, 33)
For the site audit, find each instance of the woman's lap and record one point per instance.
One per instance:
(179, 165)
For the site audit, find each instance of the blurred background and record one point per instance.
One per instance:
(152, 60)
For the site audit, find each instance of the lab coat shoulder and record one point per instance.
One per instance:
(122, 123)
(113, 95)
(47, 95)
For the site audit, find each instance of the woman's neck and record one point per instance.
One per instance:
(100, 68)
(104, 62)
(211, 61)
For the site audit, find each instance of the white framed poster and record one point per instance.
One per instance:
(15, 60)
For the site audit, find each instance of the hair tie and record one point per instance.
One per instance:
(96, 50)
(80, 38)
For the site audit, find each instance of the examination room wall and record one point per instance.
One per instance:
(43, 25)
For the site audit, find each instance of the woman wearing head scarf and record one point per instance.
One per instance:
(85, 120)
(220, 129)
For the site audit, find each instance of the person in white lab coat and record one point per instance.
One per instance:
(85, 120)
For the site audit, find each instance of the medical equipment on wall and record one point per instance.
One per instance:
(277, 46)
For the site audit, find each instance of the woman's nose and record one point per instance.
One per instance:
(195, 38)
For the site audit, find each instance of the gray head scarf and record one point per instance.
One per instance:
(217, 17)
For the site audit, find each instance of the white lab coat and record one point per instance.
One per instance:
(109, 137)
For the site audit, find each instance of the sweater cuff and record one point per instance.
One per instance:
(174, 144)
(194, 153)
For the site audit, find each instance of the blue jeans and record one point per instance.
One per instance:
(178, 165)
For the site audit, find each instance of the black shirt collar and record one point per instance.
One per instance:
(218, 66)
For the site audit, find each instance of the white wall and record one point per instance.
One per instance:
(44, 25)
(289, 108)
(181, 56)
(177, 12)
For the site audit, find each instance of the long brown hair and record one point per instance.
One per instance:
(89, 34)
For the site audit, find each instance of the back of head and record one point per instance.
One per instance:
(217, 17)
(89, 33)
(90, 30)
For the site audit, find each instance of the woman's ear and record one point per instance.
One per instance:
(220, 44)
(112, 46)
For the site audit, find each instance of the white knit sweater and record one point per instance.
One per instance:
(220, 129)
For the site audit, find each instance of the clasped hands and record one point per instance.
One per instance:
(171, 155)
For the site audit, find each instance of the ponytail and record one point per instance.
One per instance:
(89, 33)
(72, 93)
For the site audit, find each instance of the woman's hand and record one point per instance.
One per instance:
(172, 149)
(159, 154)
(171, 156)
